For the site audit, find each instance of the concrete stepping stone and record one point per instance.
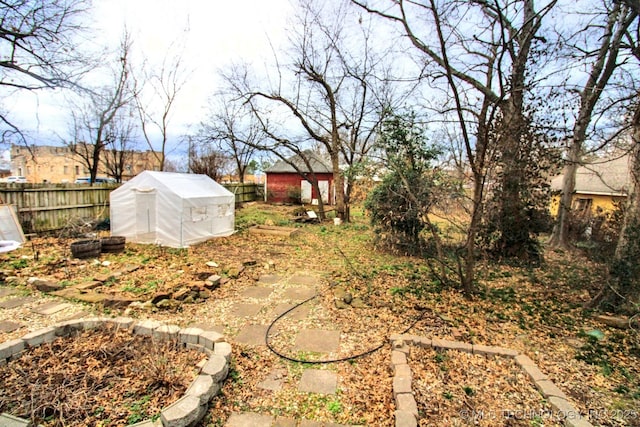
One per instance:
(9, 326)
(274, 380)
(318, 381)
(270, 279)
(304, 279)
(318, 341)
(50, 308)
(252, 335)
(257, 292)
(299, 293)
(285, 422)
(249, 419)
(4, 291)
(8, 420)
(246, 309)
(16, 302)
(79, 315)
(300, 313)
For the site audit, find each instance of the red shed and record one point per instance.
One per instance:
(286, 184)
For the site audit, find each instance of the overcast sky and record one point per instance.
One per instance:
(215, 33)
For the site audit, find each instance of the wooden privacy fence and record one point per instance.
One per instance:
(48, 207)
(51, 207)
(246, 192)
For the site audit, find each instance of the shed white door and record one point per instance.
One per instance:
(305, 191)
(146, 217)
(324, 191)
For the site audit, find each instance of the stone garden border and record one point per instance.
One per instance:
(187, 410)
(406, 414)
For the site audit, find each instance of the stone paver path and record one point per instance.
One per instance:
(318, 381)
(79, 315)
(270, 278)
(299, 313)
(299, 293)
(318, 340)
(252, 335)
(16, 302)
(285, 422)
(304, 279)
(274, 380)
(9, 326)
(249, 419)
(257, 292)
(51, 308)
(246, 309)
(4, 291)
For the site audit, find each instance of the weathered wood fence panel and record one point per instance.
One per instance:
(50, 207)
(245, 192)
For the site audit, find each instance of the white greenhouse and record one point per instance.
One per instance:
(171, 209)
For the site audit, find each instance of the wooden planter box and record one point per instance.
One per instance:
(274, 230)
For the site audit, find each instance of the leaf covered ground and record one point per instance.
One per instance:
(537, 310)
(97, 378)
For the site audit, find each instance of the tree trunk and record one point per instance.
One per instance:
(468, 273)
(560, 235)
(338, 182)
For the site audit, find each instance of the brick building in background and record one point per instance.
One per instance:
(60, 165)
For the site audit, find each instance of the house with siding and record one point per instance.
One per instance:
(290, 181)
(600, 186)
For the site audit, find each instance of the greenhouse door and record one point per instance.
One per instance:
(146, 217)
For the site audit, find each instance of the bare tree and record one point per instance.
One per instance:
(603, 60)
(119, 151)
(38, 48)
(205, 159)
(93, 120)
(323, 97)
(156, 97)
(232, 130)
(482, 50)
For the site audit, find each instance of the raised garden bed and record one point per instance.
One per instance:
(111, 372)
(274, 230)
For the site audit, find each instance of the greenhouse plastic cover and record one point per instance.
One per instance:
(171, 209)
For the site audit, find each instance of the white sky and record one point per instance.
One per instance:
(217, 32)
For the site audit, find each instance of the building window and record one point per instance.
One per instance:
(65, 169)
(583, 205)
(77, 170)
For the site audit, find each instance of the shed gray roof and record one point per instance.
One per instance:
(318, 164)
(603, 177)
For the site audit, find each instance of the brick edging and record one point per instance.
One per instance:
(406, 414)
(187, 410)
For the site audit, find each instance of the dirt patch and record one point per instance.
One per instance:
(97, 378)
